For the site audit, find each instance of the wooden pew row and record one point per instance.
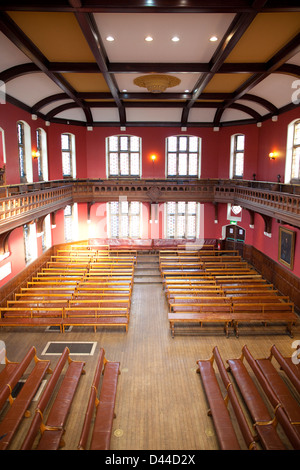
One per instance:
(20, 406)
(226, 435)
(52, 428)
(228, 315)
(290, 365)
(100, 407)
(199, 253)
(286, 408)
(263, 422)
(264, 313)
(225, 431)
(11, 374)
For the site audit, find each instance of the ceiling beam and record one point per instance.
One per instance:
(144, 6)
(235, 31)
(19, 39)
(92, 36)
(288, 51)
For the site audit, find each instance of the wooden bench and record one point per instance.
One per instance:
(30, 312)
(199, 318)
(27, 322)
(94, 312)
(241, 419)
(287, 364)
(12, 375)
(218, 410)
(266, 313)
(13, 418)
(286, 408)
(104, 403)
(95, 322)
(263, 422)
(52, 429)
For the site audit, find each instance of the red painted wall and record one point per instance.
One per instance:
(90, 163)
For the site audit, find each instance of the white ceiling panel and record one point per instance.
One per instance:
(234, 115)
(75, 114)
(105, 114)
(153, 114)
(10, 55)
(130, 30)
(202, 114)
(276, 88)
(31, 88)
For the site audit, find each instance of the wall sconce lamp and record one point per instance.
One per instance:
(35, 154)
(153, 158)
(272, 155)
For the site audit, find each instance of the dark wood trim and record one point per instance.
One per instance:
(160, 6)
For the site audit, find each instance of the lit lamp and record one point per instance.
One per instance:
(272, 155)
(35, 154)
(153, 158)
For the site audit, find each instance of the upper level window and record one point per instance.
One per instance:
(296, 152)
(24, 152)
(21, 150)
(183, 156)
(41, 146)
(237, 156)
(125, 219)
(68, 155)
(123, 155)
(292, 161)
(181, 219)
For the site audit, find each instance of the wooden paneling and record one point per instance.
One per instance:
(284, 280)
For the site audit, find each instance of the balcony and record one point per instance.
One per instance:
(19, 204)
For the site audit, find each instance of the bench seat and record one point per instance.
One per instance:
(53, 431)
(286, 317)
(289, 366)
(19, 408)
(194, 317)
(31, 322)
(222, 422)
(105, 409)
(95, 322)
(262, 420)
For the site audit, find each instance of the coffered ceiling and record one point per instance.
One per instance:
(57, 60)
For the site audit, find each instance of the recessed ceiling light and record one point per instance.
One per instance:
(110, 38)
(186, 91)
(175, 39)
(148, 38)
(213, 39)
(124, 91)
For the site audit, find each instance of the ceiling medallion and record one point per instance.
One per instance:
(156, 83)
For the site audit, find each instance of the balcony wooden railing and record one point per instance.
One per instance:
(19, 204)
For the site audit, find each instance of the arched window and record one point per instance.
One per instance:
(68, 155)
(42, 156)
(125, 219)
(30, 244)
(123, 155)
(71, 223)
(183, 156)
(24, 152)
(292, 166)
(237, 150)
(182, 219)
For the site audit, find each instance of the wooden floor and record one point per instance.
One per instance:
(160, 401)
